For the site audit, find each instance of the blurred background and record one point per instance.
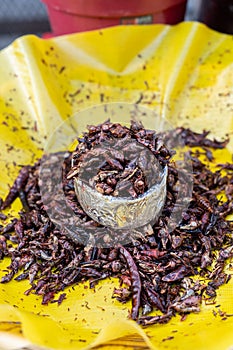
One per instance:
(20, 17)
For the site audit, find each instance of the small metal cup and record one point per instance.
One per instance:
(123, 213)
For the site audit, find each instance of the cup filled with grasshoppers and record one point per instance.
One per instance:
(175, 235)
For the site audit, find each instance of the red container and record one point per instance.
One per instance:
(69, 16)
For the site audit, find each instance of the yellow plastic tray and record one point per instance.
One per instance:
(185, 73)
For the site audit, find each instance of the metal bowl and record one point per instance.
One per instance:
(119, 212)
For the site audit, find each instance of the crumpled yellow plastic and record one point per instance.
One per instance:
(185, 73)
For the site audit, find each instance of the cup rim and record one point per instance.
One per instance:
(122, 200)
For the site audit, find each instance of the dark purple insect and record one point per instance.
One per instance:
(155, 270)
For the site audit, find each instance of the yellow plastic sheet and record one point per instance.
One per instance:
(185, 73)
